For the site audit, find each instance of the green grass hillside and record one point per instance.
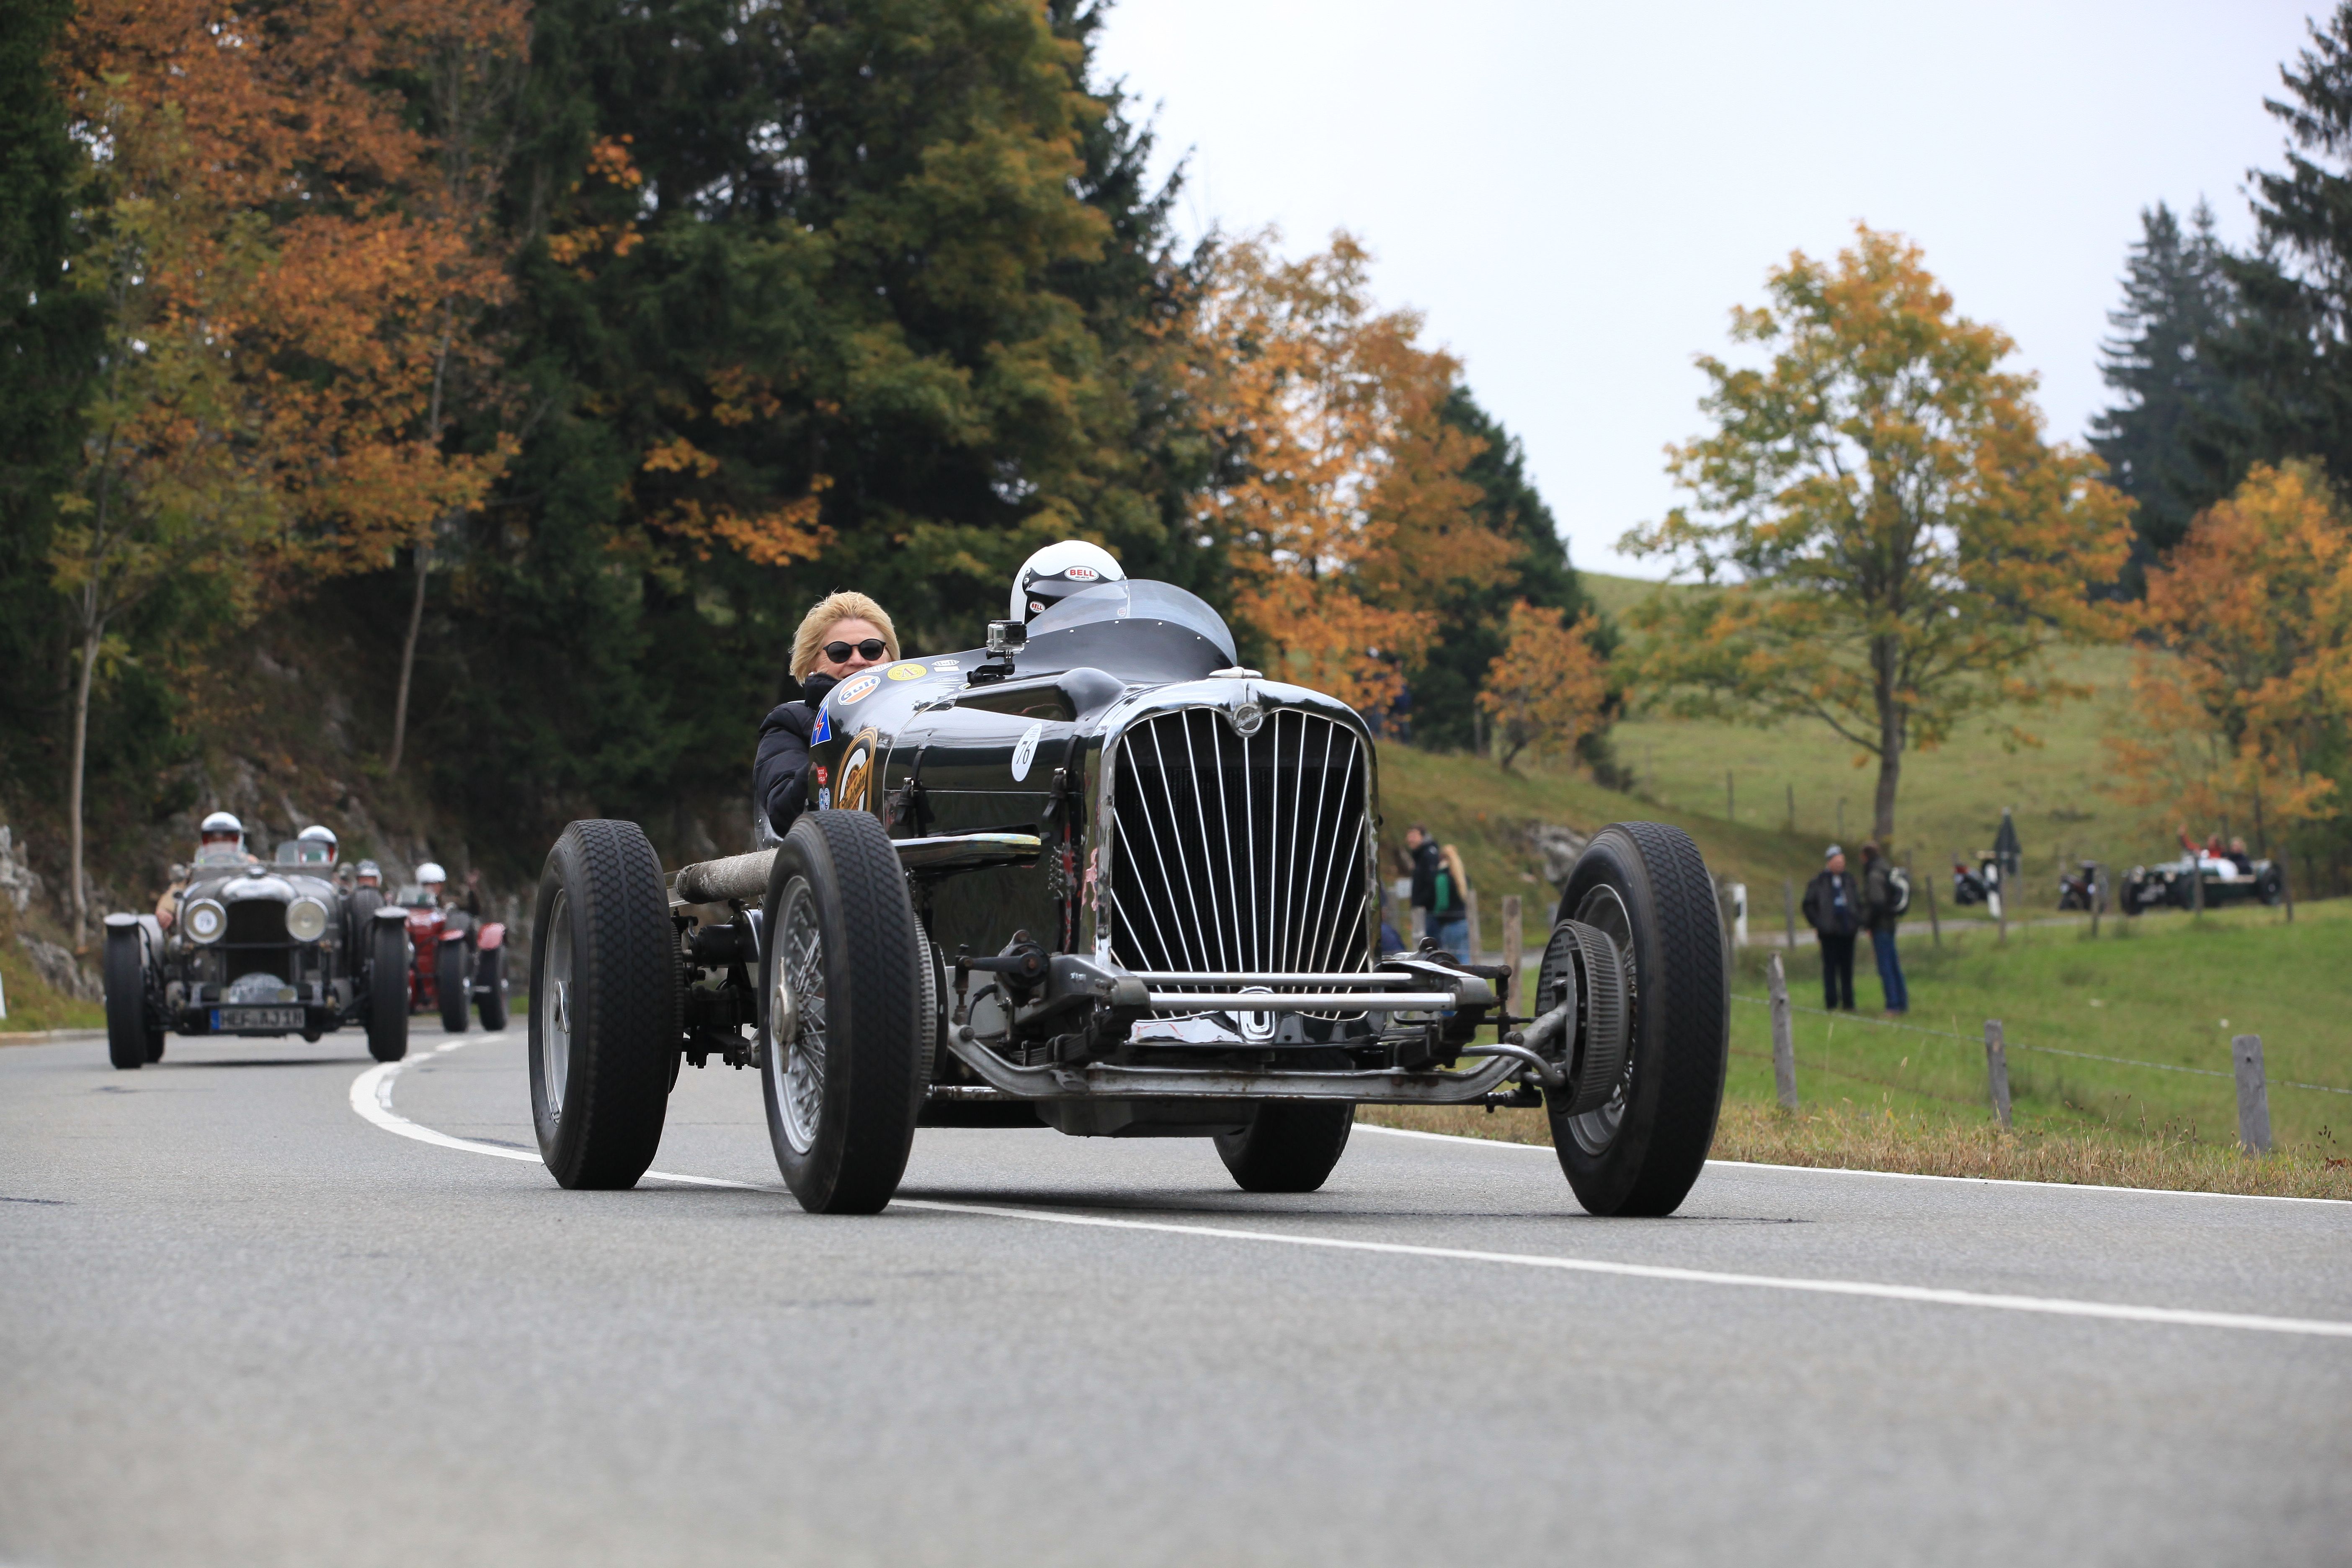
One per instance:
(1950, 799)
(1474, 804)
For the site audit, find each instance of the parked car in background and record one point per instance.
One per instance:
(2168, 884)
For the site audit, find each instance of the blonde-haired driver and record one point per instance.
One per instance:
(841, 635)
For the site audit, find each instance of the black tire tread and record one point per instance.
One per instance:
(387, 1014)
(625, 1007)
(125, 973)
(449, 983)
(1684, 1090)
(1290, 1147)
(492, 1004)
(875, 1055)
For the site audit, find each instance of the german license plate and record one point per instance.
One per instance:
(228, 1018)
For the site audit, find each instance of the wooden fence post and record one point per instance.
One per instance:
(2098, 896)
(1514, 945)
(2253, 1094)
(1470, 906)
(1935, 926)
(1997, 1071)
(1789, 907)
(1784, 1040)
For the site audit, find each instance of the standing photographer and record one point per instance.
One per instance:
(1833, 908)
(1878, 898)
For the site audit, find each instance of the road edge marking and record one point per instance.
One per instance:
(2047, 1305)
(370, 1097)
(1889, 1176)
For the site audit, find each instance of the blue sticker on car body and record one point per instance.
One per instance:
(823, 729)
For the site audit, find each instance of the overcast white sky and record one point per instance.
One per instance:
(1576, 193)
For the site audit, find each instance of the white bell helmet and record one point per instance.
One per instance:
(431, 872)
(1058, 571)
(220, 821)
(318, 833)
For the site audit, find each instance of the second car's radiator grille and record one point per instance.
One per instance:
(252, 921)
(1240, 853)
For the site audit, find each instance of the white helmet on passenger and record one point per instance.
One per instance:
(320, 833)
(431, 872)
(220, 824)
(1058, 571)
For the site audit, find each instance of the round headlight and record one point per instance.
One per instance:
(306, 920)
(206, 920)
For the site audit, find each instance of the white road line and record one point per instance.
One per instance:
(372, 1098)
(1886, 1175)
(2055, 1305)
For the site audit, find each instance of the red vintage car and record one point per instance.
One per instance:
(454, 957)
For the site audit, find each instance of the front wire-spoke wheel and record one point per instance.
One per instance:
(796, 1001)
(845, 1000)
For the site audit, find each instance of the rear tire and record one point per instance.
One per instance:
(1290, 1146)
(489, 977)
(604, 1005)
(450, 982)
(127, 1030)
(1644, 885)
(387, 1014)
(844, 1057)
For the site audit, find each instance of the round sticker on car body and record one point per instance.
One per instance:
(914, 671)
(857, 689)
(1026, 752)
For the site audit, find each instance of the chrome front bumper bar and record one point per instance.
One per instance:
(1102, 1080)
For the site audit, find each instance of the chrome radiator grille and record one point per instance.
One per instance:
(1240, 853)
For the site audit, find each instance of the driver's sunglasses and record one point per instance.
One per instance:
(872, 648)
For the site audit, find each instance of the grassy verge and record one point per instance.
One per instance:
(1859, 1141)
(32, 1006)
(2166, 993)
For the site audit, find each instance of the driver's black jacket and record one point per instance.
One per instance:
(779, 778)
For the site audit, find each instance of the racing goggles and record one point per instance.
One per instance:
(871, 648)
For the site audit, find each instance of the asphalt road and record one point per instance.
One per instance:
(243, 1323)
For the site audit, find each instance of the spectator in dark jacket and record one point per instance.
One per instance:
(842, 634)
(1878, 902)
(1833, 908)
(1421, 854)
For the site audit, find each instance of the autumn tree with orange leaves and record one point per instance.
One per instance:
(1550, 688)
(1905, 544)
(2241, 699)
(278, 264)
(1341, 501)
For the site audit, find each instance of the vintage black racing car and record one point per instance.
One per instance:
(257, 949)
(1097, 877)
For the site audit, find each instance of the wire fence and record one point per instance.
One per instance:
(2045, 1050)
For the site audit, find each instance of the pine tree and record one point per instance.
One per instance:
(48, 336)
(2284, 348)
(2175, 300)
(1473, 621)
